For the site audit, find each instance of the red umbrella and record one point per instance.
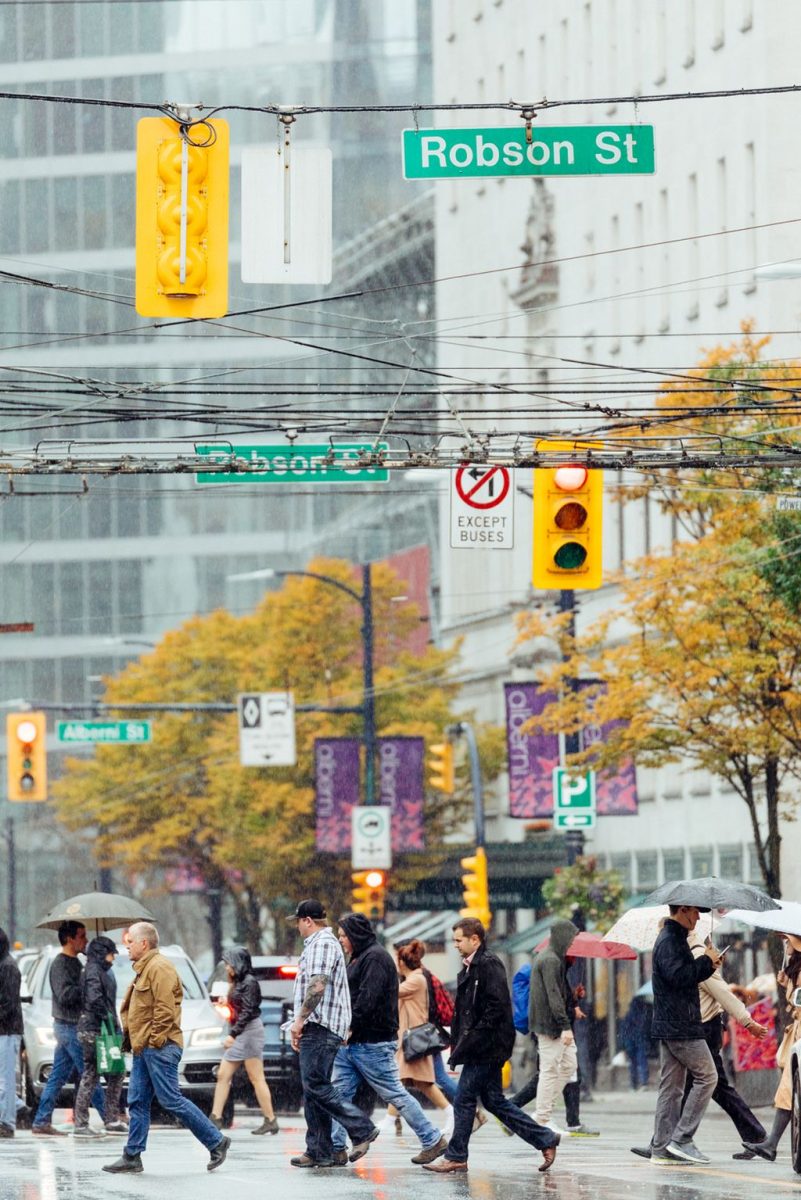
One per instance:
(591, 945)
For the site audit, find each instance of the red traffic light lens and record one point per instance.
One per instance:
(570, 478)
(374, 879)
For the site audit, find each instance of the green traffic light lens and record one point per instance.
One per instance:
(571, 516)
(570, 556)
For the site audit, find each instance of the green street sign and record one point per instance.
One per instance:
(293, 464)
(553, 150)
(573, 800)
(108, 732)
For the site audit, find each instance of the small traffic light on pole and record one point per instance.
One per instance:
(26, 756)
(441, 770)
(181, 218)
(568, 523)
(369, 893)
(475, 886)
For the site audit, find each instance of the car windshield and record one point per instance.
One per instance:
(123, 969)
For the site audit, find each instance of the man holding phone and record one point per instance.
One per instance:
(678, 1027)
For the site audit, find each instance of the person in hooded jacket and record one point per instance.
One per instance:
(245, 1040)
(10, 1035)
(551, 1008)
(98, 1004)
(369, 1054)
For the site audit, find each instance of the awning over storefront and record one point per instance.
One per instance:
(422, 925)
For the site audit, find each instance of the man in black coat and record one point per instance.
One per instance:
(369, 1054)
(678, 1028)
(10, 1034)
(482, 1038)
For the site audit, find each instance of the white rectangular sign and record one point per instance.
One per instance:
(286, 214)
(371, 844)
(266, 729)
(482, 508)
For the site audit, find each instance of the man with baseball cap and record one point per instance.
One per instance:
(321, 1025)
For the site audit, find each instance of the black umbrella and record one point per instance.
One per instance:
(709, 892)
(104, 910)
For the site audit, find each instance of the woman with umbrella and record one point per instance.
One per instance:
(790, 979)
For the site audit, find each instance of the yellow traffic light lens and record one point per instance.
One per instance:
(570, 556)
(570, 478)
(26, 732)
(571, 516)
(374, 879)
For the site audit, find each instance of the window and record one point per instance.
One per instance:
(622, 864)
(730, 862)
(702, 861)
(9, 226)
(754, 869)
(65, 212)
(723, 249)
(92, 33)
(36, 207)
(8, 33)
(33, 25)
(647, 870)
(693, 247)
(672, 865)
(92, 118)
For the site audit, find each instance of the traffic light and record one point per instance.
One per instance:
(568, 524)
(475, 887)
(369, 893)
(181, 218)
(26, 755)
(441, 772)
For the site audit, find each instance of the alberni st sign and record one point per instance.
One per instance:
(109, 732)
(293, 464)
(553, 150)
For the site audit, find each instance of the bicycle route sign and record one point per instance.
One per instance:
(482, 508)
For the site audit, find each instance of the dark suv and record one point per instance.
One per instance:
(276, 978)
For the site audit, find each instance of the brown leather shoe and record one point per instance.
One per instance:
(548, 1156)
(445, 1167)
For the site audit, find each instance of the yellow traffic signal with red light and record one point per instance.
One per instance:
(181, 218)
(26, 756)
(369, 890)
(441, 768)
(568, 523)
(475, 888)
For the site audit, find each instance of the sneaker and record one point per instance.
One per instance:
(129, 1164)
(217, 1155)
(361, 1148)
(662, 1159)
(431, 1152)
(47, 1131)
(116, 1127)
(86, 1131)
(267, 1126)
(583, 1131)
(686, 1152)
(642, 1151)
(554, 1128)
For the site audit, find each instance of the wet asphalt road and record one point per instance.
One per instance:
(500, 1168)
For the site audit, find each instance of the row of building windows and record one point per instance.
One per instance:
(58, 680)
(29, 32)
(76, 598)
(644, 870)
(131, 508)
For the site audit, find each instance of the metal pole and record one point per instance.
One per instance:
(214, 896)
(12, 880)
(465, 728)
(574, 840)
(369, 694)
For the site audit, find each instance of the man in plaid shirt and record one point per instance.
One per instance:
(320, 1027)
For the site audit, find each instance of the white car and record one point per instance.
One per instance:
(202, 1026)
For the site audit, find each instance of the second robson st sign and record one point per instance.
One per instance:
(553, 150)
(337, 463)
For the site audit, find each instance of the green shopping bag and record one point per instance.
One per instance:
(108, 1049)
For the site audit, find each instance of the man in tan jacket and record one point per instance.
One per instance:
(717, 998)
(151, 1020)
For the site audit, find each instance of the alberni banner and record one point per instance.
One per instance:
(615, 791)
(336, 782)
(531, 756)
(400, 786)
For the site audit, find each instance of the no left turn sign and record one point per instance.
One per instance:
(482, 508)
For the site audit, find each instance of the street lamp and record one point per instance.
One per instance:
(365, 600)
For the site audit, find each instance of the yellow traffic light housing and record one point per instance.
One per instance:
(26, 756)
(441, 769)
(369, 893)
(475, 887)
(568, 523)
(181, 218)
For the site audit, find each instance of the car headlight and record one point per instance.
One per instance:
(212, 1035)
(45, 1036)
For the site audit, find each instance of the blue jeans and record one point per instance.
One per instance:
(9, 1101)
(322, 1103)
(155, 1073)
(375, 1063)
(445, 1082)
(482, 1081)
(67, 1059)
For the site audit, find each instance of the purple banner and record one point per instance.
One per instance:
(336, 783)
(532, 756)
(615, 790)
(400, 785)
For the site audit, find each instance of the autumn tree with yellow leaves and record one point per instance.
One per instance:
(700, 657)
(183, 799)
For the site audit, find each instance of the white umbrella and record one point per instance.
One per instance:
(784, 919)
(639, 927)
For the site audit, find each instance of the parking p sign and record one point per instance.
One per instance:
(573, 799)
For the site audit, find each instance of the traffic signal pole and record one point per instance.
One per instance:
(368, 694)
(465, 729)
(574, 838)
